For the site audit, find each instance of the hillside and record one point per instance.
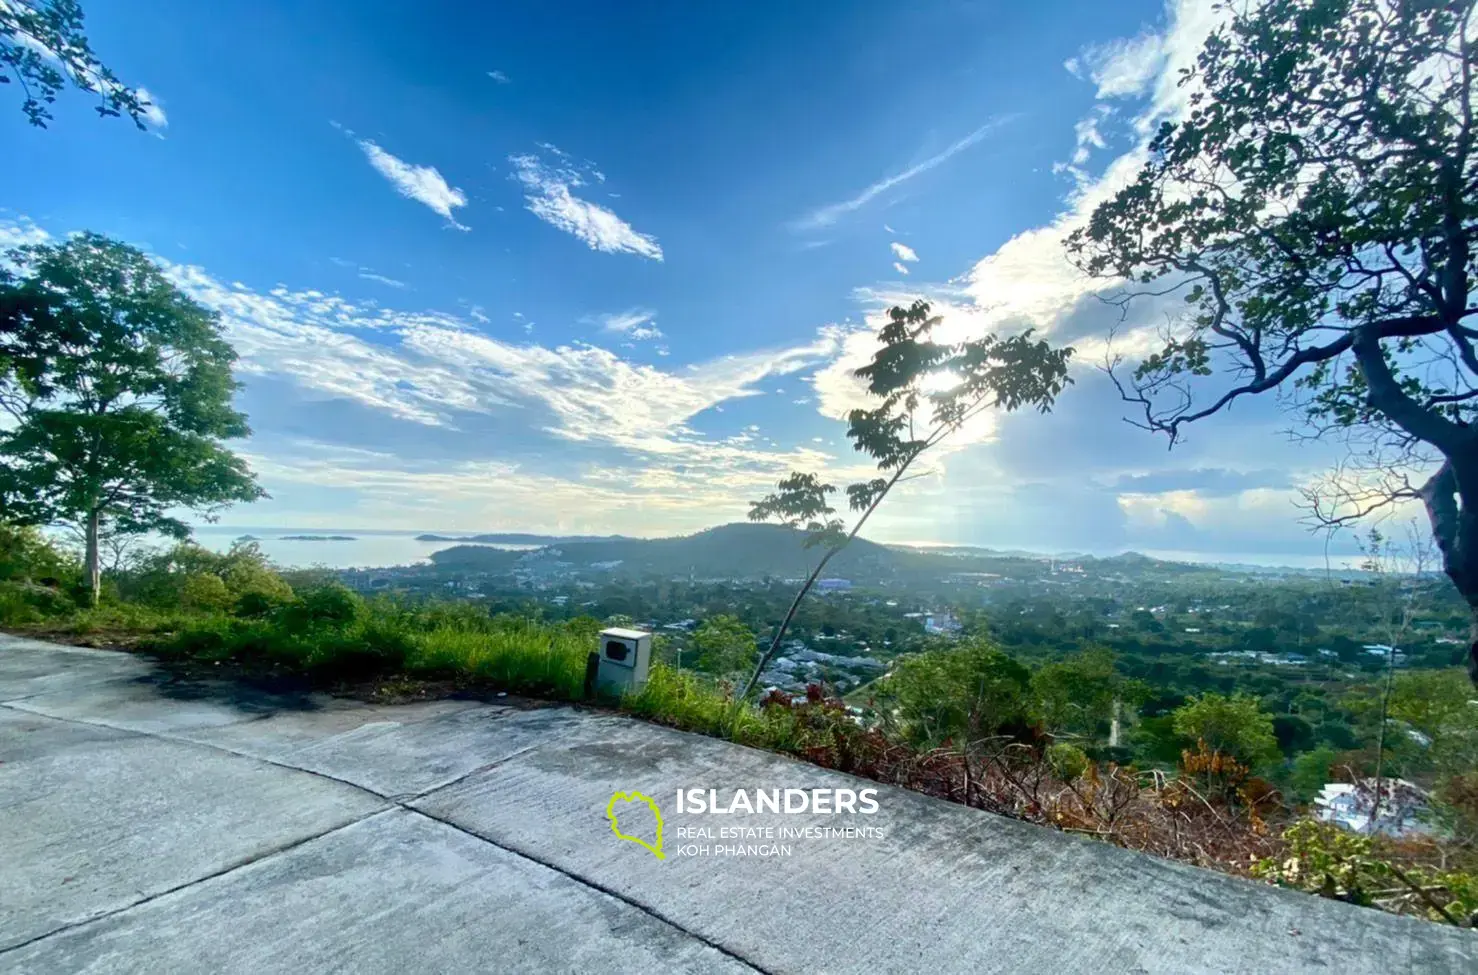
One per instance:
(728, 551)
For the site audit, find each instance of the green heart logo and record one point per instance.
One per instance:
(656, 845)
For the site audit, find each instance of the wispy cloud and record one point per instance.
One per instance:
(1121, 68)
(548, 196)
(899, 268)
(635, 323)
(380, 278)
(903, 251)
(828, 215)
(154, 115)
(420, 183)
(499, 77)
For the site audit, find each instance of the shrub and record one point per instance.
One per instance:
(331, 605)
(257, 604)
(204, 592)
(27, 603)
(1068, 761)
(1330, 861)
(28, 555)
(15, 607)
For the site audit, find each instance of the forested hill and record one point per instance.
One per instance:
(751, 551)
(727, 551)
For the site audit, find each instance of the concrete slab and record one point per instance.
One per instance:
(31, 667)
(92, 819)
(400, 750)
(947, 889)
(158, 704)
(392, 894)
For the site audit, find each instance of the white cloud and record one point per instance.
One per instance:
(1088, 134)
(899, 268)
(154, 115)
(634, 323)
(380, 278)
(1124, 67)
(904, 252)
(420, 183)
(827, 215)
(499, 77)
(548, 196)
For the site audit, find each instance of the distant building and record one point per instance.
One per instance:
(833, 585)
(941, 623)
(1351, 805)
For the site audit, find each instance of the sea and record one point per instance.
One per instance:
(359, 548)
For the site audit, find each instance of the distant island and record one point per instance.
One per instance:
(317, 538)
(519, 538)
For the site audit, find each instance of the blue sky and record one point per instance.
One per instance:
(606, 267)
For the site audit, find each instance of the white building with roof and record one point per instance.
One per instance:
(1351, 805)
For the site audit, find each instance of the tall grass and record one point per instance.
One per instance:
(518, 655)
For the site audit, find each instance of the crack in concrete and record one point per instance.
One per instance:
(393, 803)
(230, 868)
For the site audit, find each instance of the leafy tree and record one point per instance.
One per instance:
(42, 46)
(1311, 771)
(961, 694)
(1294, 733)
(118, 387)
(724, 645)
(1235, 726)
(927, 390)
(1315, 209)
(1077, 694)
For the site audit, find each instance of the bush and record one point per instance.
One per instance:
(26, 555)
(204, 592)
(1327, 860)
(1068, 761)
(27, 603)
(331, 605)
(255, 604)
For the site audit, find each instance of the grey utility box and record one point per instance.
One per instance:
(625, 656)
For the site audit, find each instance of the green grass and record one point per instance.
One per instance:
(333, 636)
(518, 655)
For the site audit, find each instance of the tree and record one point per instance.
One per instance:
(42, 46)
(1311, 771)
(1315, 210)
(724, 645)
(118, 386)
(1234, 726)
(962, 694)
(1077, 694)
(927, 391)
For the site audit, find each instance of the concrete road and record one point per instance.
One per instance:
(151, 825)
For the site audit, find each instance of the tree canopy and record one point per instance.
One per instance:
(1235, 726)
(42, 46)
(118, 387)
(1314, 209)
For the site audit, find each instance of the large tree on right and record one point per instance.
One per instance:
(1315, 208)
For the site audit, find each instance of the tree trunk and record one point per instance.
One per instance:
(1451, 500)
(93, 558)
